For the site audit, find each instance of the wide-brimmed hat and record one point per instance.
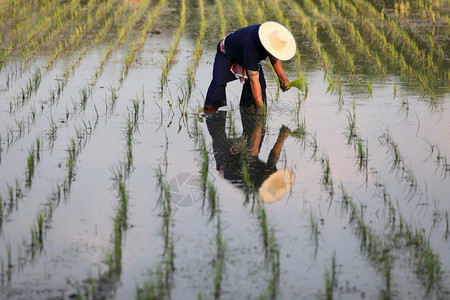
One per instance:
(277, 40)
(276, 186)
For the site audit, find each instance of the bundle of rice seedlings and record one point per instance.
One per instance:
(298, 83)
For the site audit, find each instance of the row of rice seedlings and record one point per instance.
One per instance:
(22, 185)
(121, 173)
(33, 158)
(131, 20)
(375, 247)
(221, 246)
(314, 231)
(161, 284)
(242, 19)
(333, 34)
(31, 52)
(81, 30)
(191, 67)
(60, 191)
(400, 35)
(106, 282)
(353, 137)
(401, 236)
(134, 48)
(169, 57)
(22, 15)
(61, 82)
(355, 35)
(73, 39)
(223, 21)
(275, 10)
(327, 178)
(272, 252)
(18, 41)
(131, 128)
(398, 162)
(397, 59)
(31, 87)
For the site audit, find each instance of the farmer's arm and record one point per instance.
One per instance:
(256, 87)
(276, 63)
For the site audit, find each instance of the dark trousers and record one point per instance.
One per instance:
(216, 95)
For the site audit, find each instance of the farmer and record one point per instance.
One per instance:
(239, 55)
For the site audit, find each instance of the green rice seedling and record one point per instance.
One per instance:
(246, 180)
(327, 179)
(30, 167)
(40, 226)
(362, 153)
(395, 89)
(314, 228)
(351, 127)
(84, 97)
(369, 88)
(331, 84)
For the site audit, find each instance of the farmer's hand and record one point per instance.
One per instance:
(284, 84)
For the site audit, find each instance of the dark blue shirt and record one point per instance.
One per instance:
(244, 46)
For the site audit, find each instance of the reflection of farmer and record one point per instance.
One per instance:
(239, 55)
(228, 151)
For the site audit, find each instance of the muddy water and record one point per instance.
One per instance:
(79, 234)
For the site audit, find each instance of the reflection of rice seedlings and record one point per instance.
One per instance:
(369, 88)
(170, 56)
(246, 181)
(160, 286)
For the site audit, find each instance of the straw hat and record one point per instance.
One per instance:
(276, 186)
(277, 40)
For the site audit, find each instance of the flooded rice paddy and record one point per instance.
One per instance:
(114, 184)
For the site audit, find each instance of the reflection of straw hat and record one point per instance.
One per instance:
(276, 186)
(277, 40)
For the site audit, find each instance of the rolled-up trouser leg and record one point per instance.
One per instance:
(216, 96)
(247, 99)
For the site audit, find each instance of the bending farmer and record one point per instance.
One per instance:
(239, 55)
